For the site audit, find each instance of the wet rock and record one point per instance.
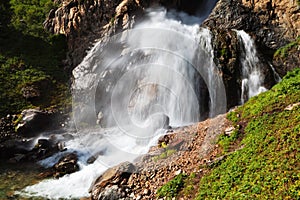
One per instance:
(109, 183)
(33, 122)
(42, 149)
(94, 157)
(66, 165)
(17, 158)
(226, 51)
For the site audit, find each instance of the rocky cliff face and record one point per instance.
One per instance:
(272, 24)
(84, 21)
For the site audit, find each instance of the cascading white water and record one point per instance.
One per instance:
(252, 78)
(134, 84)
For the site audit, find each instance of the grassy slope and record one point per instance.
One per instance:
(268, 166)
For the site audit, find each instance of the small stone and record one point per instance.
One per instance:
(131, 195)
(229, 130)
(178, 172)
(292, 106)
(146, 192)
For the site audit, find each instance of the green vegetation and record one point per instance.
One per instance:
(189, 184)
(30, 57)
(226, 141)
(171, 188)
(28, 16)
(168, 152)
(283, 51)
(267, 167)
(224, 52)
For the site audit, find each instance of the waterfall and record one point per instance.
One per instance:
(130, 88)
(252, 78)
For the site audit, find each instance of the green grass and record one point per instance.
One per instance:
(267, 167)
(172, 188)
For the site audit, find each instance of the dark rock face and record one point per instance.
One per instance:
(266, 22)
(33, 122)
(226, 47)
(66, 165)
(13, 148)
(108, 185)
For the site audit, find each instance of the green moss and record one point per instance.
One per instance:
(224, 52)
(112, 20)
(267, 167)
(172, 188)
(15, 75)
(283, 51)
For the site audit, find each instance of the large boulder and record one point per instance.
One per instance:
(109, 184)
(33, 122)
